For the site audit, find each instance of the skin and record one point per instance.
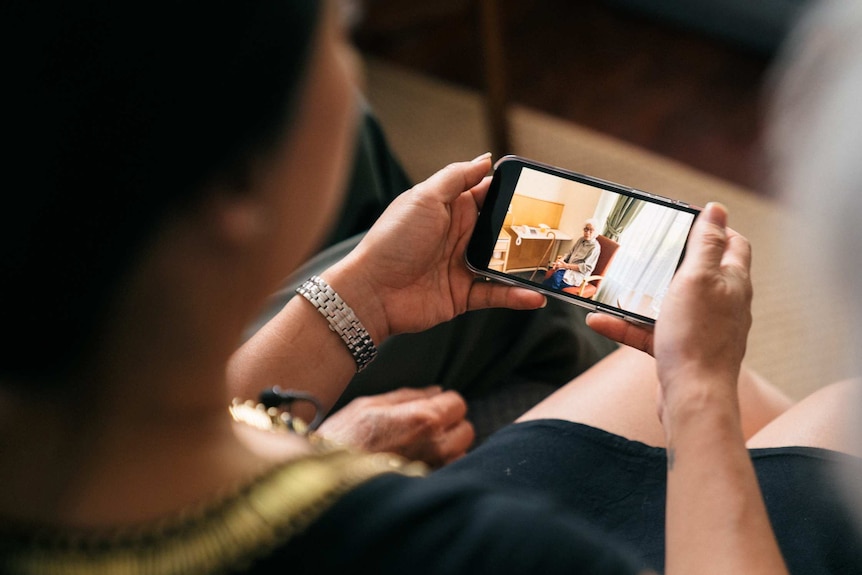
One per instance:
(426, 424)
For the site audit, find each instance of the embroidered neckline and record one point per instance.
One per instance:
(227, 534)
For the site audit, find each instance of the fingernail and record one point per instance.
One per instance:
(481, 158)
(716, 212)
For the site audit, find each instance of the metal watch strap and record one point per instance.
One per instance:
(342, 320)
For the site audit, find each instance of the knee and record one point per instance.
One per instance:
(828, 419)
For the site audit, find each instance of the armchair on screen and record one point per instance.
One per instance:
(591, 283)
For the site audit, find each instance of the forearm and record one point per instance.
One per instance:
(297, 350)
(716, 518)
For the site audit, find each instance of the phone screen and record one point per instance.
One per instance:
(578, 238)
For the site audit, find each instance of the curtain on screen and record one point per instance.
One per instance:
(650, 247)
(621, 215)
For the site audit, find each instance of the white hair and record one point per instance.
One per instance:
(814, 136)
(814, 144)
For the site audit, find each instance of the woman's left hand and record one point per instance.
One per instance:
(408, 273)
(427, 424)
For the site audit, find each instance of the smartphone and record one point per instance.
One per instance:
(587, 241)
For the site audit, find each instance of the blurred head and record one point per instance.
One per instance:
(814, 144)
(124, 114)
(814, 141)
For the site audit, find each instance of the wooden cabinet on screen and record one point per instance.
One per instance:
(500, 256)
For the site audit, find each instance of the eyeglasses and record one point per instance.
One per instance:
(589, 229)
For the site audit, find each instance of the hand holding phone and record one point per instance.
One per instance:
(622, 246)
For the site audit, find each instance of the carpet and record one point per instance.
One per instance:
(798, 338)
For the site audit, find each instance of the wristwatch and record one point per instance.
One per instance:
(342, 319)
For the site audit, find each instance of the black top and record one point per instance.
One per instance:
(620, 486)
(441, 525)
(337, 512)
(541, 497)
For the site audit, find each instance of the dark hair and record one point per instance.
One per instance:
(117, 112)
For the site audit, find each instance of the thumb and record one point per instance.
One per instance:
(708, 238)
(455, 179)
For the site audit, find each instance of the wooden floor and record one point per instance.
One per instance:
(672, 91)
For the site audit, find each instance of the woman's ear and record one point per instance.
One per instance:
(239, 219)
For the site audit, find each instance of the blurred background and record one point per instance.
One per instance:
(664, 95)
(682, 78)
